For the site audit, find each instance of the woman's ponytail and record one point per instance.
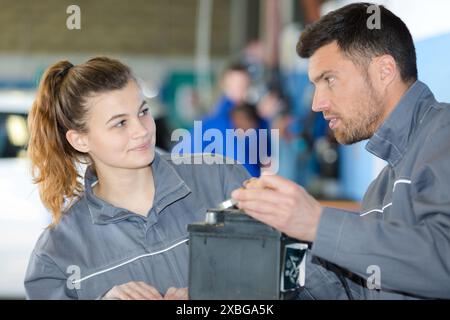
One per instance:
(53, 159)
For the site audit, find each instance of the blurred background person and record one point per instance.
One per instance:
(235, 85)
(245, 116)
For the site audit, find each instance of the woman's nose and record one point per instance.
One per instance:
(140, 130)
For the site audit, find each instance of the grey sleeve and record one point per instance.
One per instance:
(411, 259)
(45, 281)
(233, 175)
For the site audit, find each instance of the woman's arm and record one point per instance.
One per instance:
(233, 177)
(45, 280)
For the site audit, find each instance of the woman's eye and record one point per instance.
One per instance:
(120, 124)
(143, 112)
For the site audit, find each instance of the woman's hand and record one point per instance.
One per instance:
(176, 294)
(133, 291)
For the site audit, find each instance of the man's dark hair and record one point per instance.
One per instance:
(234, 67)
(348, 26)
(248, 110)
(237, 66)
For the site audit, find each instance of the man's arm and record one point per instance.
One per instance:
(407, 257)
(412, 258)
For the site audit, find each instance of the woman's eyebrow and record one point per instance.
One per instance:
(142, 104)
(124, 114)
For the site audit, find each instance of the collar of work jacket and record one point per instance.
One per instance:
(391, 140)
(169, 187)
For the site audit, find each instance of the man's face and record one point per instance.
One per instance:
(345, 94)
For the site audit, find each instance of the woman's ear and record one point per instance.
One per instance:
(78, 141)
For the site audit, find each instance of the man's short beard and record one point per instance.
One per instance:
(363, 127)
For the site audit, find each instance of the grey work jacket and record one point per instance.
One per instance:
(400, 241)
(97, 246)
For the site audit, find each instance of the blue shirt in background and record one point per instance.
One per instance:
(220, 119)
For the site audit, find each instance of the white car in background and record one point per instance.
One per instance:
(22, 215)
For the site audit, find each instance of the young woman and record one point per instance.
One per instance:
(123, 234)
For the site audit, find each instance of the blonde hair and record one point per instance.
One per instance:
(60, 106)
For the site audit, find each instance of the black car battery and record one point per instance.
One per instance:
(235, 257)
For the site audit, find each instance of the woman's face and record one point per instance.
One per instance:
(121, 131)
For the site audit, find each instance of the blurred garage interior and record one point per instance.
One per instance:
(178, 49)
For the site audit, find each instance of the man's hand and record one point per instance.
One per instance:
(133, 291)
(282, 204)
(176, 294)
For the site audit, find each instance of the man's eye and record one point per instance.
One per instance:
(143, 112)
(120, 124)
(329, 80)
